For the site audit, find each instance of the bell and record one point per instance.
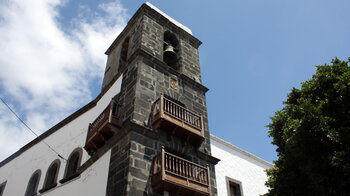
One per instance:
(170, 56)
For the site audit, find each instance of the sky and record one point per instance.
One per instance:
(52, 59)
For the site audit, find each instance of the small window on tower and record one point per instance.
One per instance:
(116, 110)
(124, 53)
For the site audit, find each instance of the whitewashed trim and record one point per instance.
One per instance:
(212, 137)
(188, 30)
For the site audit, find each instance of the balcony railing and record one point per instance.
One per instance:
(177, 120)
(104, 127)
(172, 173)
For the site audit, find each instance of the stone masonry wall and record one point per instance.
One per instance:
(189, 61)
(128, 90)
(144, 145)
(119, 165)
(152, 81)
(143, 82)
(145, 78)
(147, 34)
(152, 43)
(112, 66)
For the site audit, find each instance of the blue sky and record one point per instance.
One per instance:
(253, 53)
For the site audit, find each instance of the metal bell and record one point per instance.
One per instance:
(170, 56)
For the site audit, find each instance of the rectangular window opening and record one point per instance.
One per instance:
(234, 187)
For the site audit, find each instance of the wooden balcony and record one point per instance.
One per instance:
(177, 120)
(104, 127)
(179, 176)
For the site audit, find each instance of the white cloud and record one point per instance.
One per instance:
(45, 71)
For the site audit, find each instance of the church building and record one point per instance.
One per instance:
(146, 133)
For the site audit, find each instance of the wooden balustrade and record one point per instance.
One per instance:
(182, 114)
(101, 119)
(170, 171)
(172, 116)
(103, 127)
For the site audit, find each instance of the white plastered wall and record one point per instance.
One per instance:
(92, 181)
(239, 165)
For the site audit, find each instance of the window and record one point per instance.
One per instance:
(33, 184)
(2, 187)
(51, 176)
(123, 53)
(116, 109)
(124, 50)
(73, 163)
(234, 187)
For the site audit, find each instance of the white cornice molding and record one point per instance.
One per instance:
(212, 137)
(188, 30)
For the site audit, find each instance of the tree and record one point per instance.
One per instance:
(312, 135)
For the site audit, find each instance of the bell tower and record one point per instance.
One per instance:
(163, 146)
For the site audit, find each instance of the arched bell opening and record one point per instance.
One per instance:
(171, 44)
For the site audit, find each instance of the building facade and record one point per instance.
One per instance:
(146, 133)
(238, 172)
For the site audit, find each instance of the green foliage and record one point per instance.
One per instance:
(312, 135)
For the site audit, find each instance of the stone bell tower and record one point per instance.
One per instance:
(163, 147)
